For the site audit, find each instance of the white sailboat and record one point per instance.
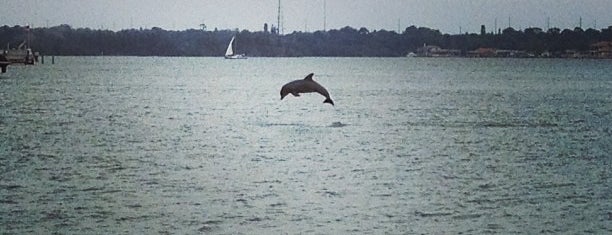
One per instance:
(229, 53)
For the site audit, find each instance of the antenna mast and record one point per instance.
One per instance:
(399, 27)
(278, 26)
(509, 25)
(495, 29)
(324, 15)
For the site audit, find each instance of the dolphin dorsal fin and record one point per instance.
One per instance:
(309, 77)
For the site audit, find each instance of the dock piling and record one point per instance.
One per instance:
(3, 63)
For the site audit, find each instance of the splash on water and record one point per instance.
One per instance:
(338, 124)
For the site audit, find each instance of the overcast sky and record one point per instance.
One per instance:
(308, 15)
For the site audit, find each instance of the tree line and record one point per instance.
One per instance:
(347, 41)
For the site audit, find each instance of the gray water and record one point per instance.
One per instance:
(129, 145)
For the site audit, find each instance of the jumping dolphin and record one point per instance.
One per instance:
(305, 85)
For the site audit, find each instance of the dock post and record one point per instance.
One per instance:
(42, 59)
(52, 59)
(3, 63)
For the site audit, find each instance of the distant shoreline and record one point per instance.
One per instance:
(345, 42)
(331, 57)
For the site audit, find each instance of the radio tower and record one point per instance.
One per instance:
(278, 19)
(324, 15)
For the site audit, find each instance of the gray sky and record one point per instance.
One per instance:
(307, 15)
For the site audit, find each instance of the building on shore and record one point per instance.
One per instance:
(436, 51)
(599, 50)
(483, 52)
(602, 49)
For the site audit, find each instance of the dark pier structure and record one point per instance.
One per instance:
(4, 63)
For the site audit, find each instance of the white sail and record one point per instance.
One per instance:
(230, 51)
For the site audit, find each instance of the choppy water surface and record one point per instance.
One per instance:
(204, 145)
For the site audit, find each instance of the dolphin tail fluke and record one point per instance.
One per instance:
(329, 100)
